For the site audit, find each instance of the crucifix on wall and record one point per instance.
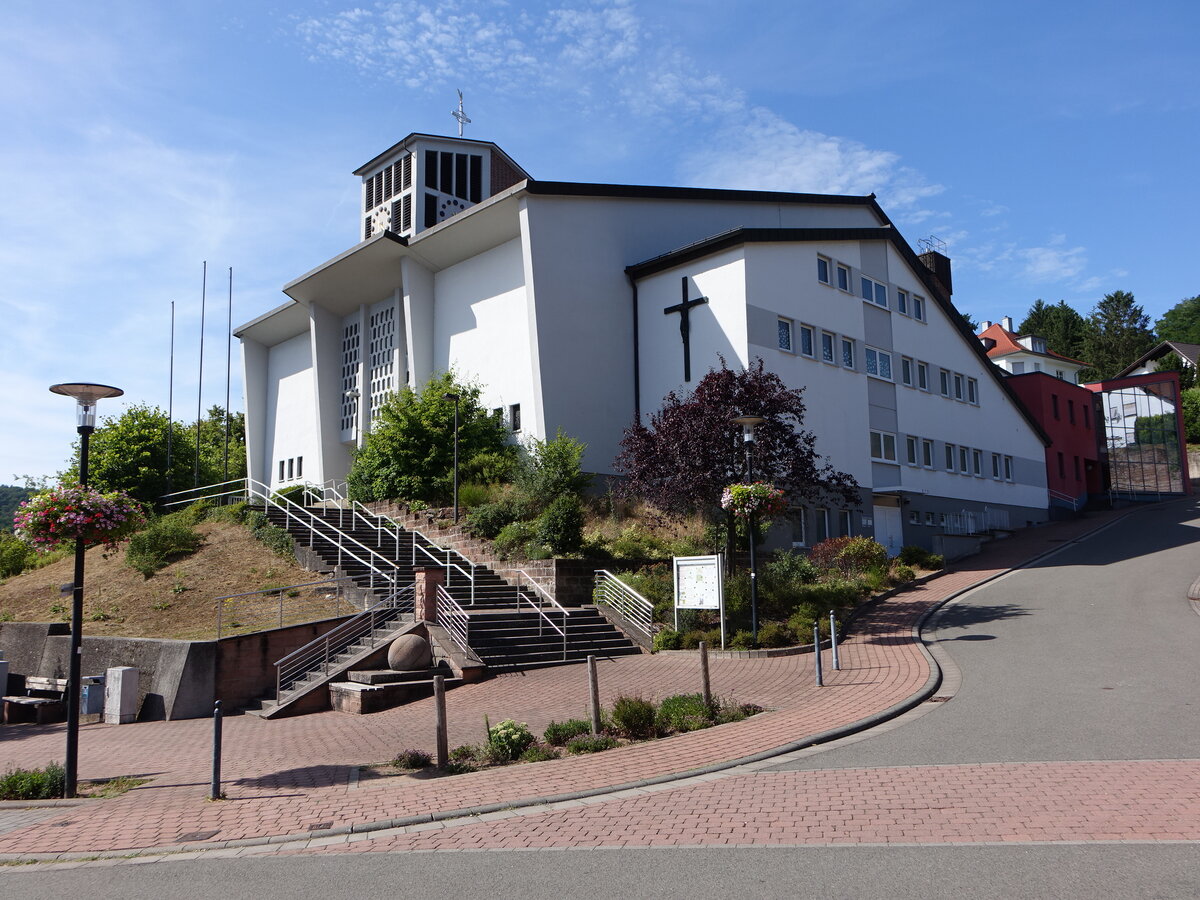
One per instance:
(685, 326)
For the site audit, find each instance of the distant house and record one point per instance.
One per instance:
(1021, 353)
(1189, 353)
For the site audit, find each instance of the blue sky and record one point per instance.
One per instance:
(1051, 146)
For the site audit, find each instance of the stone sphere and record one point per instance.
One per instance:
(409, 652)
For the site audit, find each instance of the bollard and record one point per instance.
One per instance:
(594, 694)
(837, 664)
(214, 792)
(817, 653)
(705, 685)
(443, 739)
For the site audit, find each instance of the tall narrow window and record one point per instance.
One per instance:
(944, 382)
(1054, 405)
(806, 340)
(902, 301)
(822, 270)
(299, 466)
(281, 469)
(927, 453)
(958, 386)
(784, 329)
(949, 457)
(977, 463)
(962, 460)
(1008, 468)
(291, 468)
(906, 370)
(1062, 469)
(1071, 411)
(972, 391)
(848, 353)
(827, 346)
(514, 417)
(996, 466)
(821, 521)
(910, 449)
(918, 308)
(843, 277)
(845, 523)
(923, 376)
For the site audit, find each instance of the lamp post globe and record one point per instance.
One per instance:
(86, 396)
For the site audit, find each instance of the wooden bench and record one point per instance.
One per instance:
(44, 701)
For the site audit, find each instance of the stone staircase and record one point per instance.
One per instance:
(504, 628)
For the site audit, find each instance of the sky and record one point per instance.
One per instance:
(1050, 146)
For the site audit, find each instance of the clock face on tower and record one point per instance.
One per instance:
(451, 206)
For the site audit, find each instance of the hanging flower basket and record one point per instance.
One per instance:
(63, 515)
(757, 499)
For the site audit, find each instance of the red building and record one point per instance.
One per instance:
(1068, 414)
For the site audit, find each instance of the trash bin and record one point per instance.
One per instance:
(91, 701)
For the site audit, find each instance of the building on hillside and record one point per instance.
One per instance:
(1021, 353)
(580, 306)
(1189, 355)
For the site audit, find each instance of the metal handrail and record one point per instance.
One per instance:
(454, 619)
(316, 654)
(191, 495)
(541, 590)
(219, 601)
(545, 619)
(635, 609)
(1065, 498)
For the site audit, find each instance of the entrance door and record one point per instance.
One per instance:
(889, 528)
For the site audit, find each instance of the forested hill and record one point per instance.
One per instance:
(10, 499)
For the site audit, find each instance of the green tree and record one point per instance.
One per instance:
(1064, 329)
(409, 452)
(1119, 334)
(1173, 362)
(1181, 322)
(1190, 399)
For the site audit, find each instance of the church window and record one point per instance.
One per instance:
(918, 308)
(848, 353)
(923, 376)
(879, 363)
(902, 301)
(822, 270)
(843, 277)
(281, 469)
(874, 292)
(381, 359)
(883, 446)
(446, 172)
(784, 328)
(906, 370)
(514, 417)
(431, 169)
(299, 466)
(431, 217)
(350, 359)
(806, 340)
(827, 346)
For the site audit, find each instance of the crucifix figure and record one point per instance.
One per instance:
(685, 326)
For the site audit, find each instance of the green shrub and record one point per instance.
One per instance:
(668, 639)
(691, 639)
(464, 753)
(638, 543)
(195, 513)
(162, 542)
(732, 712)
(15, 555)
(656, 584)
(773, 634)
(514, 537)
(488, 520)
(862, 554)
(682, 712)
(589, 744)
(912, 555)
(559, 733)
(412, 759)
(472, 495)
(539, 753)
(742, 640)
(802, 621)
(552, 469)
(507, 740)
(33, 784)
(902, 574)
(634, 717)
(560, 527)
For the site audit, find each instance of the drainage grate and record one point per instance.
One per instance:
(938, 699)
(195, 836)
(320, 826)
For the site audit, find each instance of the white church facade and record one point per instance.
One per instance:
(556, 298)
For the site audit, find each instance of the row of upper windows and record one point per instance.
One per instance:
(514, 416)
(834, 349)
(835, 274)
(921, 453)
(291, 469)
(1087, 418)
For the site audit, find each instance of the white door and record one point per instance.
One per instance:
(889, 529)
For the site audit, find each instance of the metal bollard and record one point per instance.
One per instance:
(817, 653)
(837, 665)
(214, 792)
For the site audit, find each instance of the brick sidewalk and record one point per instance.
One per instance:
(294, 776)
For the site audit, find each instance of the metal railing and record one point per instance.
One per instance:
(291, 606)
(632, 607)
(317, 655)
(976, 521)
(544, 620)
(454, 619)
(1065, 499)
(234, 488)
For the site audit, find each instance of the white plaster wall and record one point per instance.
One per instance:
(579, 248)
(481, 329)
(254, 386)
(290, 406)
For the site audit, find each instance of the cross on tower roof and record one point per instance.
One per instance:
(460, 115)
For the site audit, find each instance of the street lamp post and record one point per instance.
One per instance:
(455, 398)
(749, 423)
(86, 395)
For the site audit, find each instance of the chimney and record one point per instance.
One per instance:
(985, 324)
(939, 265)
(1007, 323)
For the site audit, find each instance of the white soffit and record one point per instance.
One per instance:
(276, 326)
(364, 274)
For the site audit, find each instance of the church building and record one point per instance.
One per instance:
(579, 306)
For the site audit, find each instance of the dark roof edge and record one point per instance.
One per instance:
(1155, 352)
(660, 192)
(738, 236)
(418, 135)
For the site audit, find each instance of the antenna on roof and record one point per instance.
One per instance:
(460, 115)
(932, 244)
